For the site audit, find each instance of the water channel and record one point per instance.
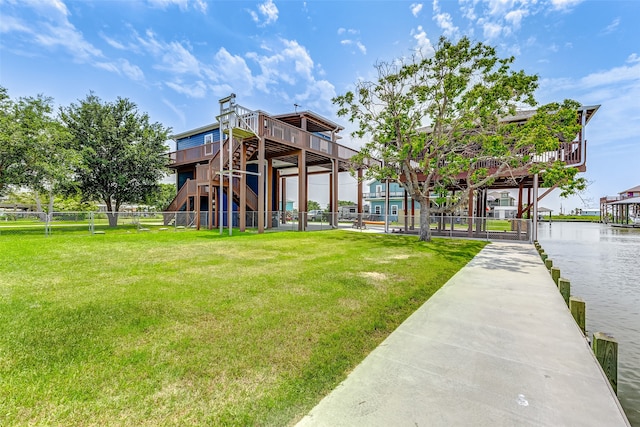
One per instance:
(603, 265)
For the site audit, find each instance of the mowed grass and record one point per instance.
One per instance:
(194, 328)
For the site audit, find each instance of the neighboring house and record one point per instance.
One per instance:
(623, 208)
(632, 192)
(376, 197)
(501, 205)
(590, 212)
(500, 198)
(288, 206)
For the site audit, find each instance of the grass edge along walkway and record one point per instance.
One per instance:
(196, 328)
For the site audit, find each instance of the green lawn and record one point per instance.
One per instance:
(170, 328)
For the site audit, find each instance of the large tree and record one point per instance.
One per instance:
(33, 147)
(122, 154)
(437, 122)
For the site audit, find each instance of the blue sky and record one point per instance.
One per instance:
(176, 58)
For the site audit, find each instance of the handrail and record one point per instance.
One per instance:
(187, 189)
(203, 170)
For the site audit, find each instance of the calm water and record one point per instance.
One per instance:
(603, 265)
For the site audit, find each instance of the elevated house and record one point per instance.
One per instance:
(480, 205)
(233, 172)
(621, 209)
(571, 153)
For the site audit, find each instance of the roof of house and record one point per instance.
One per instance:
(524, 115)
(195, 131)
(315, 122)
(629, 201)
(635, 189)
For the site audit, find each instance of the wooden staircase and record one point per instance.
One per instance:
(207, 174)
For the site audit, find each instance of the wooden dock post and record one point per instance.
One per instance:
(548, 263)
(605, 347)
(544, 256)
(565, 289)
(555, 274)
(578, 311)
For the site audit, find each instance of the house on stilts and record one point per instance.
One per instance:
(479, 206)
(233, 173)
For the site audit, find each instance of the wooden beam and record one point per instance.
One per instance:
(261, 188)
(269, 193)
(334, 194)
(302, 191)
(549, 190)
(242, 223)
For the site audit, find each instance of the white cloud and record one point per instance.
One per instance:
(52, 30)
(122, 67)
(362, 48)
(616, 89)
(200, 5)
(564, 5)
(423, 44)
(415, 9)
(317, 96)
(347, 30)
(197, 89)
(444, 21)
(515, 17)
(358, 44)
(491, 30)
(230, 73)
(178, 59)
(268, 13)
(467, 8)
(174, 56)
(111, 42)
(176, 110)
(611, 27)
(10, 24)
(132, 71)
(616, 75)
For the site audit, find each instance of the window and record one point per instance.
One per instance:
(208, 144)
(394, 209)
(377, 210)
(378, 190)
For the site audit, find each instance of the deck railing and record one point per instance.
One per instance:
(194, 154)
(291, 135)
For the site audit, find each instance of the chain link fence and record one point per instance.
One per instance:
(56, 223)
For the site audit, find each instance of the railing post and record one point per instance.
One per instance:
(605, 348)
(578, 311)
(565, 289)
(555, 274)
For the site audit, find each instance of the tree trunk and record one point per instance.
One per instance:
(425, 229)
(112, 214)
(41, 214)
(51, 200)
(113, 219)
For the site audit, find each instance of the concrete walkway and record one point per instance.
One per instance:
(495, 346)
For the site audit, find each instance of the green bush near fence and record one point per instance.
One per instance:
(196, 328)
